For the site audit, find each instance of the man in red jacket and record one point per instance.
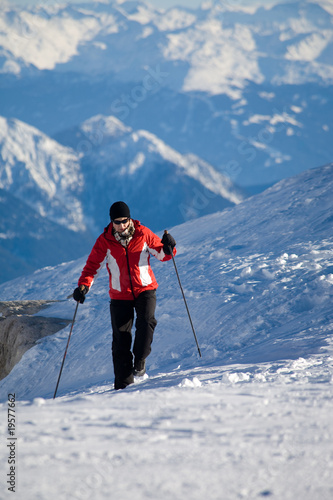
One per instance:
(126, 246)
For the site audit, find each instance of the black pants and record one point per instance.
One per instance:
(122, 317)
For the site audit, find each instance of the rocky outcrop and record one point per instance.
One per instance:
(20, 330)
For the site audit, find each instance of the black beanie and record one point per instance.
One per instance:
(119, 209)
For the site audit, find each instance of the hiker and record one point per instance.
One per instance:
(126, 245)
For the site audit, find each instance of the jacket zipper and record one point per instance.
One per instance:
(129, 272)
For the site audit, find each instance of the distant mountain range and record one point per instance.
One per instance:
(247, 89)
(168, 109)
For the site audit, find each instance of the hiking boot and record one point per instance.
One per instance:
(123, 383)
(139, 368)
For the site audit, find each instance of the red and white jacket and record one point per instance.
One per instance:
(129, 268)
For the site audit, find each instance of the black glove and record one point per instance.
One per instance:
(168, 241)
(80, 292)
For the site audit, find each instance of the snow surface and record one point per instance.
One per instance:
(250, 419)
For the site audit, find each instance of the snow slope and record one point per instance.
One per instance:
(255, 275)
(250, 419)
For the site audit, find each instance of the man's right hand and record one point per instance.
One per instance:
(168, 242)
(80, 292)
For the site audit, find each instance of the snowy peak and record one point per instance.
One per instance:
(139, 167)
(109, 137)
(100, 127)
(93, 134)
(41, 173)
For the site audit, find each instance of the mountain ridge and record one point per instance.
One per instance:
(159, 183)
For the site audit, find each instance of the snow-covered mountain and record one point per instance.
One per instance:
(251, 418)
(56, 198)
(41, 173)
(245, 87)
(41, 221)
(161, 186)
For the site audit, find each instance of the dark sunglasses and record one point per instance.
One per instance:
(123, 221)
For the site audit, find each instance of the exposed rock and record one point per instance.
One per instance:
(19, 331)
(19, 307)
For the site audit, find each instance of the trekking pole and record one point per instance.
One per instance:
(63, 361)
(187, 309)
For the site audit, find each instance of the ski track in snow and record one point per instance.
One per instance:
(250, 419)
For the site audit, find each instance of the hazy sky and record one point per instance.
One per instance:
(157, 3)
